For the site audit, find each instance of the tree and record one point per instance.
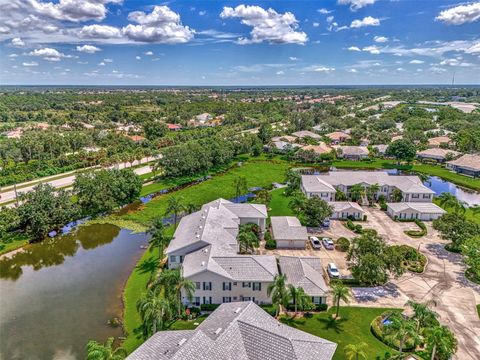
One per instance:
(240, 185)
(356, 351)
(457, 229)
(372, 191)
(401, 330)
(98, 351)
(300, 299)
(44, 209)
(293, 181)
(423, 316)
(265, 132)
(170, 284)
(247, 238)
(339, 293)
(297, 201)
(263, 196)
(356, 192)
(155, 311)
(158, 238)
(174, 208)
(186, 285)
(448, 200)
(278, 291)
(397, 195)
(154, 129)
(314, 211)
(441, 343)
(471, 253)
(402, 150)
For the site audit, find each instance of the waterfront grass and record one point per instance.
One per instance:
(353, 327)
(278, 205)
(187, 324)
(471, 213)
(11, 242)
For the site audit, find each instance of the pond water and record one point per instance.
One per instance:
(57, 295)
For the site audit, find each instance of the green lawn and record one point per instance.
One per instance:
(352, 328)
(11, 242)
(187, 324)
(257, 172)
(478, 310)
(278, 205)
(469, 213)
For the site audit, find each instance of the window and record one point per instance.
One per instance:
(235, 284)
(173, 258)
(415, 196)
(227, 286)
(426, 196)
(181, 258)
(245, 298)
(207, 286)
(246, 284)
(197, 285)
(197, 301)
(227, 299)
(257, 286)
(207, 299)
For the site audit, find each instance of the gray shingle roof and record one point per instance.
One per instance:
(437, 153)
(306, 133)
(421, 207)
(339, 206)
(304, 272)
(313, 183)
(467, 161)
(353, 150)
(241, 331)
(288, 227)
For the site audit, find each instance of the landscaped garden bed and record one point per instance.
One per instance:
(413, 260)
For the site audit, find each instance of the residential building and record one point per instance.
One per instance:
(468, 164)
(439, 141)
(352, 152)
(414, 210)
(382, 149)
(282, 146)
(136, 138)
(438, 154)
(319, 149)
(286, 138)
(174, 127)
(338, 137)
(305, 133)
(305, 272)
(241, 331)
(346, 209)
(288, 232)
(326, 185)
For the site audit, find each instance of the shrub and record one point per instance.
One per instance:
(383, 206)
(194, 311)
(377, 329)
(343, 244)
(358, 229)
(321, 307)
(364, 217)
(209, 307)
(350, 225)
(270, 309)
(270, 244)
(417, 233)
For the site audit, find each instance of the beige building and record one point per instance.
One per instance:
(346, 209)
(409, 211)
(352, 152)
(468, 164)
(288, 232)
(305, 133)
(338, 137)
(438, 154)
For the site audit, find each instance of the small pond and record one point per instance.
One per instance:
(58, 294)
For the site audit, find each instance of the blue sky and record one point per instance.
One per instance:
(115, 42)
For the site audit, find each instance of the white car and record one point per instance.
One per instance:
(315, 242)
(328, 243)
(332, 271)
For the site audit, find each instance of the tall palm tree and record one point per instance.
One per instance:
(188, 286)
(372, 190)
(170, 283)
(99, 351)
(401, 329)
(155, 311)
(175, 208)
(441, 340)
(158, 237)
(356, 351)
(340, 293)
(299, 297)
(279, 292)
(356, 191)
(297, 201)
(422, 314)
(450, 201)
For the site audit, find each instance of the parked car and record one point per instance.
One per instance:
(332, 271)
(326, 223)
(315, 242)
(328, 243)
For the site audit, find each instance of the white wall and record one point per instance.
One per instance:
(290, 244)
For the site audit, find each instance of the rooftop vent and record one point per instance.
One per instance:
(238, 310)
(218, 331)
(183, 341)
(203, 263)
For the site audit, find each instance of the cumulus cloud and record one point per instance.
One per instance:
(356, 4)
(89, 49)
(455, 62)
(460, 15)
(30, 64)
(48, 54)
(324, 11)
(352, 71)
(162, 25)
(354, 48)
(380, 39)
(316, 24)
(372, 49)
(435, 48)
(319, 68)
(138, 57)
(366, 21)
(71, 10)
(17, 42)
(281, 72)
(293, 58)
(267, 25)
(99, 32)
(148, 53)
(415, 61)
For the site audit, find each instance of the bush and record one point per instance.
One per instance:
(270, 244)
(383, 206)
(417, 233)
(377, 330)
(350, 225)
(343, 244)
(270, 309)
(364, 217)
(321, 307)
(209, 307)
(358, 229)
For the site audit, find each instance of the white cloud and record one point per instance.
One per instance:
(12, 56)
(354, 48)
(356, 4)
(30, 64)
(89, 49)
(455, 62)
(101, 64)
(137, 57)
(316, 24)
(293, 58)
(72, 10)
(162, 25)
(319, 68)
(460, 15)
(474, 49)
(108, 60)
(371, 49)
(436, 70)
(352, 71)
(281, 72)
(324, 11)
(400, 69)
(267, 25)
(417, 61)
(380, 39)
(48, 54)
(202, 13)
(366, 21)
(99, 32)
(148, 53)
(17, 42)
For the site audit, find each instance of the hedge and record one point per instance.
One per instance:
(377, 331)
(343, 244)
(417, 233)
(209, 307)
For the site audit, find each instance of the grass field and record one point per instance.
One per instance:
(278, 205)
(187, 324)
(469, 213)
(352, 328)
(478, 310)
(11, 242)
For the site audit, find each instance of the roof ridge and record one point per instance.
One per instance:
(255, 259)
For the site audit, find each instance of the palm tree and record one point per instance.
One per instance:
(188, 286)
(98, 351)
(170, 284)
(441, 340)
(340, 293)
(297, 201)
(174, 207)
(299, 297)
(450, 201)
(356, 191)
(158, 237)
(240, 187)
(247, 240)
(422, 314)
(356, 352)
(372, 190)
(278, 292)
(155, 311)
(401, 329)
(191, 208)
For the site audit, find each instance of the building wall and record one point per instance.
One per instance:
(345, 214)
(217, 293)
(412, 214)
(414, 197)
(290, 244)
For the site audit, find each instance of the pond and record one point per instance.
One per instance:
(59, 294)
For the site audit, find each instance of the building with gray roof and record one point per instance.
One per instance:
(288, 232)
(413, 210)
(241, 331)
